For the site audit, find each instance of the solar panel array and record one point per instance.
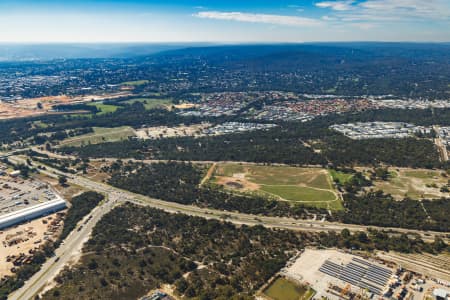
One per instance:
(359, 273)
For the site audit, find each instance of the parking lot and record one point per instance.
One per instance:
(17, 194)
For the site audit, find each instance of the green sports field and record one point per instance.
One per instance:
(307, 186)
(283, 289)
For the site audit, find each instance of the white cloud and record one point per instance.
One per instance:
(337, 5)
(389, 10)
(259, 18)
(432, 9)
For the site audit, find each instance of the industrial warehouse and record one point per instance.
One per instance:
(359, 273)
(32, 212)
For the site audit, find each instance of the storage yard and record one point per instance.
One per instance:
(18, 244)
(335, 275)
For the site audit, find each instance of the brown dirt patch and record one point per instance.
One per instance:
(235, 182)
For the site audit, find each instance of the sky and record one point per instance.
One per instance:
(223, 21)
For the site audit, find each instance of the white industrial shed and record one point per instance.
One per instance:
(32, 212)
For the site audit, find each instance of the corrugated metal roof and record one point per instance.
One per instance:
(23, 213)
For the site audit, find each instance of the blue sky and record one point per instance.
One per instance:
(221, 21)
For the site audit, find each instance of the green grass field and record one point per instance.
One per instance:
(150, 103)
(293, 193)
(100, 135)
(283, 289)
(422, 174)
(306, 186)
(104, 108)
(340, 176)
(40, 124)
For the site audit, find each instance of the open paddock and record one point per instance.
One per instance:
(306, 186)
(151, 103)
(414, 183)
(100, 135)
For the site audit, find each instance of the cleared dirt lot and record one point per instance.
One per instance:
(413, 183)
(25, 237)
(28, 107)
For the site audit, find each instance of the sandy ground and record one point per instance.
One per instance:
(33, 235)
(185, 105)
(237, 183)
(94, 171)
(165, 288)
(28, 107)
(404, 184)
(164, 131)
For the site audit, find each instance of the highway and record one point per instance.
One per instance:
(74, 242)
(66, 253)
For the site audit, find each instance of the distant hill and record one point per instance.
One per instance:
(31, 52)
(294, 55)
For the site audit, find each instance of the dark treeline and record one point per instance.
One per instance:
(135, 249)
(74, 107)
(408, 152)
(378, 209)
(290, 143)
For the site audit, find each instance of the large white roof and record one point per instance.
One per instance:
(30, 210)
